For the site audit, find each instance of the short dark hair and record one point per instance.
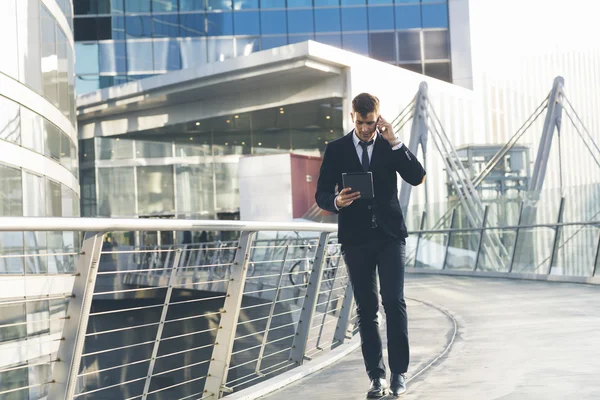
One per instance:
(365, 103)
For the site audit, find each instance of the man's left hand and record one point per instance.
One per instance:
(386, 130)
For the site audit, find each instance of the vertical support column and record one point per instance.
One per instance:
(514, 254)
(163, 317)
(597, 259)
(64, 374)
(423, 216)
(310, 302)
(341, 328)
(337, 265)
(221, 356)
(452, 220)
(483, 224)
(557, 235)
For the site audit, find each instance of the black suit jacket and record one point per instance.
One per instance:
(354, 221)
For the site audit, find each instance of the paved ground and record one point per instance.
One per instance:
(515, 340)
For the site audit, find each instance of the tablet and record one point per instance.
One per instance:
(359, 181)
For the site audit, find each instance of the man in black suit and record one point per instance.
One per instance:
(372, 233)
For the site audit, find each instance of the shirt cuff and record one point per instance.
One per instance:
(397, 145)
(335, 203)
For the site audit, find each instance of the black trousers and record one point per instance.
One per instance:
(386, 255)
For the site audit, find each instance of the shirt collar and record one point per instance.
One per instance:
(356, 140)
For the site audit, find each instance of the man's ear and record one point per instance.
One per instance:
(352, 116)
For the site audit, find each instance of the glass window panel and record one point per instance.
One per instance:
(319, 3)
(165, 26)
(86, 150)
(227, 185)
(10, 124)
(439, 71)
(435, 15)
(409, 46)
(53, 199)
(246, 23)
(166, 55)
(138, 60)
(436, 44)
(272, 3)
(63, 73)
(273, 41)
(164, 6)
(135, 6)
(87, 58)
(330, 39)
(11, 243)
(382, 46)
(356, 42)
(52, 140)
(85, 7)
(300, 21)
(13, 314)
(69, 199)
(245, 46)
(220, 49)
(113, 149)
(138, 26)
(408, 1)
(193, 52)
(85, 29)
(103, 28)
(66, 159)
(195, 190)
(353, 2)
(192, 24)
(220, 23)
(408, 17)
(381, 18)
(245, 4)
(30, 59)
(87, 184)
(114, 190)
(300, 38)
(11, 195)
(354, 19)
(381, 1)
(219, 4)
(155, 190)
(228, 142)
(106, 6)
(58, 310)
(8, 29)
(145, 149)
(118, 28)
(49, 61)
(299, 3)
(37, 323)
(86, 84)
(327, 20)
(34, 196)
(273, 22)
(74, 161)
(191, 5)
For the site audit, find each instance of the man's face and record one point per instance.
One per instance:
(365, 125)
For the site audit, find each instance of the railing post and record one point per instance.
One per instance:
(514, 254)
(557, 235)
(422, 226)
(163, 318)
(310, 302)
(64, 374)
(449, 238)
(483, 223)
(221, 356)
(337, 265)
(597, 259)
(341, 328)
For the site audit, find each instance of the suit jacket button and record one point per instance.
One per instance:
(369, 207)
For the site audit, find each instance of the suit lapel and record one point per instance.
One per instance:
(354, 164)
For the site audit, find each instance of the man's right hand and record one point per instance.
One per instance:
(346, 197)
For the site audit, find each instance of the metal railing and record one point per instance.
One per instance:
(200, 320)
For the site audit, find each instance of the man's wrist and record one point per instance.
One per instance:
(335, 204)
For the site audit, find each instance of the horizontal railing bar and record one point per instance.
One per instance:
(140, 251)
(122, 329)
(280, 339)
(184, 367)
(196, 394)
(126, 271)
(271, 289)
(19, 224)
(206, 266)
(117, 348)
(278, 352)
(29, 300)
(36, 254)
(254, 373)
(188, 334)
(31, 322)
(192, 317)
(130, 290)
(196, 300)
(263, 331)
(26, 366)
(25, 387)
(115, 367)
(318, 315)
(177, 384)
(330, 300)
(272, 316)
(186, 351)
(268, 373)
(268, 304)
(109, 387)
(125, 310)
(200, 283)
(246, 349)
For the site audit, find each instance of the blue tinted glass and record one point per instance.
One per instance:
(246, 22)
(353, 2)
(87, 58)
(192, 25)
(220, 23)
(408, 1)
(191, 5)
(166, 55)
(193, 52)
(165, 25)
(381, 1)
(300, 21)
(245, 46)
(138, 26)
(138, 61)
(354, 19)
(245, 4)
(327, 20)
(271, 42)
(356, 43)
(327, 3)
(118, 28)
(219, 4)
(134, 6)
(330, 39)
(116, 6)
(220, 49)
(299, 3)
(435, 15)
(408, 17)
(164, 5)
(112, 57)
(300, 38)
(273, 22)
(381, 18)
(272, 3)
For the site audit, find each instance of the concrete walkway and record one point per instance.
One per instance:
(515, 340)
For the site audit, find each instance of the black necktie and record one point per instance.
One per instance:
(365, 154)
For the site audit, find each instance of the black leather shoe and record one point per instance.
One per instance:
(398, 384)
(378, 388)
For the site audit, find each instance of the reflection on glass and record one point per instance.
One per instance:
(439, 70)
(9, 123)
(431, 251)
(220, 23)
(139, 26)
(227, 186)
(191, 5)
(435, 15)
(300, 38)
(409, 46)
(327, 20)
(195, 190)
(164, 5)
(9, 64)
(87, 58)
(300, 21)
(272, 42)
(273, 22)
(272, 4)
(135, 6)
(112, 149)
(87, 182)
(11, 196)
(193, 52)
(219, 49)
(246, 23)
(13, 314)
(192, 24)
(49, 60)
(356, 42)
(245, 46)
(138, 61)
(112, 59)
(436, 45)
(332, 39)
(165, 26)
(166, 55)
(116, 196)
(155, 190)
(227, 143)
(354, 19)
(219, 4)
(382, 46)
(408, 16)
(381, 18)
(53, 138)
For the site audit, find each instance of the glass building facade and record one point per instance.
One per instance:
(122, 40)
(39, 178)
